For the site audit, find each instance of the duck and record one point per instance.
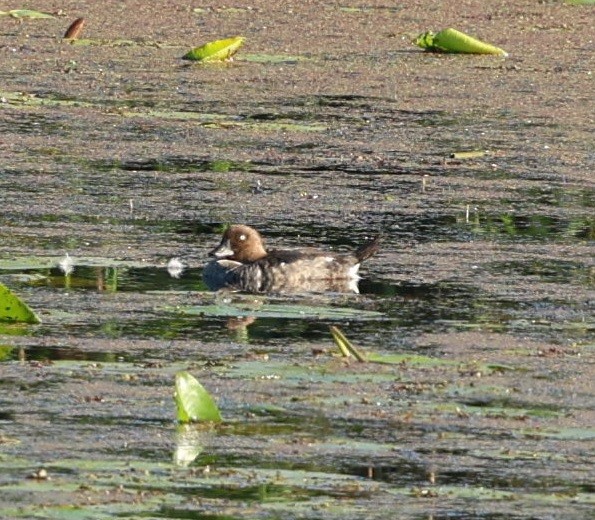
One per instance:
(241, 262)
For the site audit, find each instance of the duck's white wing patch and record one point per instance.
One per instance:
(353, 272)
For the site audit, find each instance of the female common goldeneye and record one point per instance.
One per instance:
(242, 263)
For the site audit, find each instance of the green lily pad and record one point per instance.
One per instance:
(451, 40)
(219, 50)
(273, 58)
(410, 359)
(272, 310)
(25, 13)
(193, 402)
(13, 309)
(345, 346)
(116, 43)
(5, 352)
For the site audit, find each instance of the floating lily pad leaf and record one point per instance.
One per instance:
(219, 50)
(397, 359)
(271, 310)
(75, 29)
(193, 402)
(473, 154)
(451, 40)
(6, 352)
(25, 13)
(273, 58)
(13, 309)
(115, 43)
(347, 349)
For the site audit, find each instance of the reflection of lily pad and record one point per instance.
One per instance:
(219, 50)
(272, 310)
(13, 309)
(451, 40)
(190, 442)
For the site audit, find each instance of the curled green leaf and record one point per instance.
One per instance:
(345, 346)
(13, 309)
(193, 402)
(219, 50)
(451, 40)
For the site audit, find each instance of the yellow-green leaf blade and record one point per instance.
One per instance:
(345, 346)
(219, 50)
(193, 402)
(26, 13)
(451, 40)
(13, 309)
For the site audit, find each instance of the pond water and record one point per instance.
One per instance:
(479, 305)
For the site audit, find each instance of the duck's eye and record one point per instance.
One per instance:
(242, 237)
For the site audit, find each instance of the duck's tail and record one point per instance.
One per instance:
(368, 249)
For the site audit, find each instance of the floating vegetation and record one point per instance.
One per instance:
(193, 402)
(13, 309)
(116, 43)
(26, 13)
(345, 346)
(283, 59)
(475, 398)
(273, 310)
(473, 154)
(451, 40)
(75, 29)
(219, 50)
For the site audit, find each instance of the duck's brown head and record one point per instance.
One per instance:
(240, 243)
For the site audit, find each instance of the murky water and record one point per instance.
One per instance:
(466, 416)
(480, 301)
